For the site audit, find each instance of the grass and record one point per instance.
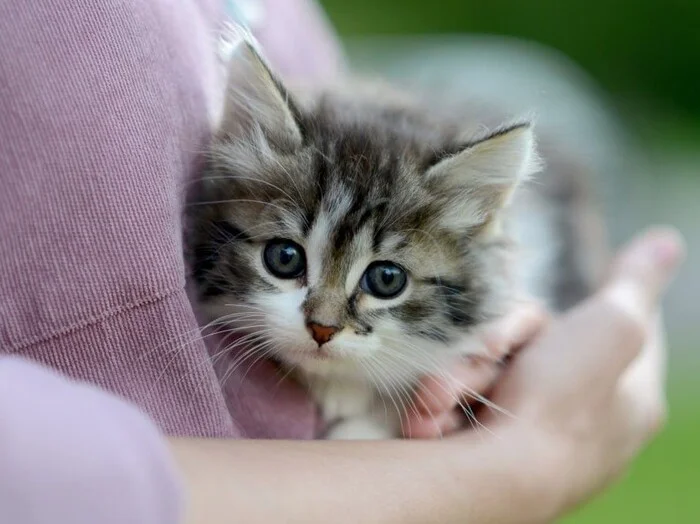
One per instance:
(663, 484)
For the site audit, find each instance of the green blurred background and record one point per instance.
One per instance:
(645, 58)
(645, 52)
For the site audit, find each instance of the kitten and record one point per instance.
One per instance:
(359, 237)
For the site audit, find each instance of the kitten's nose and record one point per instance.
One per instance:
(322, 334)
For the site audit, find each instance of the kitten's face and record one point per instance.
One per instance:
(340, 240)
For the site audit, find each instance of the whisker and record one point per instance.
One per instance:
(440, 369)
(370, 374)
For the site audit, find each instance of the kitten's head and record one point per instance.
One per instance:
(351, 233)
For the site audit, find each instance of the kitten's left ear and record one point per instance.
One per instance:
(256, 100)
(481, 178)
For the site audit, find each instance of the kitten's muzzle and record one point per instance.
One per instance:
(321, 334)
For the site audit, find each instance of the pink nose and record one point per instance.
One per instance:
(321, 334)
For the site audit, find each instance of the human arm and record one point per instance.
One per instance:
(102, 138)
(578, 410)
(588, 371)
(400, 482)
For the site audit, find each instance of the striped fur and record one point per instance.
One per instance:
(355, 179)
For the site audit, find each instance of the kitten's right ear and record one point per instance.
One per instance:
(257, 101)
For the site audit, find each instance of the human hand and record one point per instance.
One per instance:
(443, 401)
(589, 393)
(586, 395)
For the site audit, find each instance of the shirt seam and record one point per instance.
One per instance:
(92, 320)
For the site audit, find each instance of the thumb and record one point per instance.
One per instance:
(597, 340)
(642, 271)
(620, 316)
(588, 348)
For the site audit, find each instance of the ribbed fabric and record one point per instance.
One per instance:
(136, 353)
(103, 110)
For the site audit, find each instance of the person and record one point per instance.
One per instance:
(110, 411)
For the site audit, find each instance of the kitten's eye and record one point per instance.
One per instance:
(284, 259)
(384, 280)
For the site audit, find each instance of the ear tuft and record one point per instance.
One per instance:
(513, 147)
(256, 100)
(482, 176)
(507, 155)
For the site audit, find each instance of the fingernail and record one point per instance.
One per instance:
(666, 251)
(665, 246)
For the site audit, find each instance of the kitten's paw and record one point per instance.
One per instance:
(360, 429)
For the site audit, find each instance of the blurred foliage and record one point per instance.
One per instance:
(647, 51)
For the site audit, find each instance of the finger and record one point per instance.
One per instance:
(471, 377)
(589, 347)
(643, 383)
(432, 427)
(637, 409)
(516, 330)
(640, 275)
(474, 376)
(642, 271)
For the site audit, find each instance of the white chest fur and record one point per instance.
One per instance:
(353, 408)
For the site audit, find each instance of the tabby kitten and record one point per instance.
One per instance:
(361, 240)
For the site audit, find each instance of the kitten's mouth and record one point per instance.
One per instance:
(316, 355)
(321, 353)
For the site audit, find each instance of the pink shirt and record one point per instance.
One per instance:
(104, 107)
(73, 454)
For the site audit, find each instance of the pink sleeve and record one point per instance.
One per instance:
(72, 454)
(104, 107)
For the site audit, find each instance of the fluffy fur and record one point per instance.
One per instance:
(355, 178)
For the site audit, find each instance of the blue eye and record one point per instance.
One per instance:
(384, 280)
(284, 259)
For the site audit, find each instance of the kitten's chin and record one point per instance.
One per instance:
(343, 357)
(323, 363)
(301, 358)
(320, 355)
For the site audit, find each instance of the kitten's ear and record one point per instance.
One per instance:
(481, 178)
(257, 101)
